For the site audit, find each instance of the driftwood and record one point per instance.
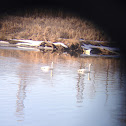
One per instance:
(100, 49)
(82, 47)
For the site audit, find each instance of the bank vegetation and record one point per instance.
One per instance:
(49, 26)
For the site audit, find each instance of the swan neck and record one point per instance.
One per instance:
(89, 67)
(52, 65)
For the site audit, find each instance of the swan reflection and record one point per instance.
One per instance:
(74, 96)
(21, 94)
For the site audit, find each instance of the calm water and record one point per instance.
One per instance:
(62, 97)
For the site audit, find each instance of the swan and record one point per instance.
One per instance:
(47, 68)
(87, 51)
(82, 71)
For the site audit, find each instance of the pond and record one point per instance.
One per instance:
(62, 96)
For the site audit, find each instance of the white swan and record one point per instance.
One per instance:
(87, 51)
(82, 71)
(47, 68)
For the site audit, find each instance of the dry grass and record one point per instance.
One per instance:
(46, 26)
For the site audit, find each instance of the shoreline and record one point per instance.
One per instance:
(84, 47)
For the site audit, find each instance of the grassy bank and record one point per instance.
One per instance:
(49, 26)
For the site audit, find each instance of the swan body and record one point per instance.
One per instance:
(47, 68)
(87, 51)
(82, 71)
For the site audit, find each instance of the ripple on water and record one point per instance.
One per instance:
(33, 97)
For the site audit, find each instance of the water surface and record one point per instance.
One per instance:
(61, 97)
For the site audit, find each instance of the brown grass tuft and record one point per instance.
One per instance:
(42, 25)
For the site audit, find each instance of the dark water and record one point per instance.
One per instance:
(61, 97)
